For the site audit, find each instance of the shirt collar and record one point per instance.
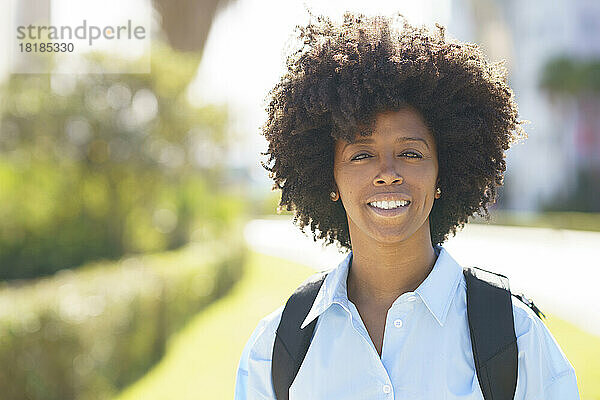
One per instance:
(436, 291)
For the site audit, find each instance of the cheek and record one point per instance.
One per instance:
(347, 191)
(347, 179)
(424, 183)
(431, 174)
(349, 186)
(352, 179)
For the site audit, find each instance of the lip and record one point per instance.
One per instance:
(390, 196)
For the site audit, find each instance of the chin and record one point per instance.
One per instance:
(392, 237)
(382, 233)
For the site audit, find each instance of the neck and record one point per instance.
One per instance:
(381, 272)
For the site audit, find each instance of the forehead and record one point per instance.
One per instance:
(406, 122)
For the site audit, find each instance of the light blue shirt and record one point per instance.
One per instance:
(426, 350)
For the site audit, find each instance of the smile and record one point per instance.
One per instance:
(391, 209)
(386, 205)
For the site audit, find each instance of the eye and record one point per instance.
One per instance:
(411, 154)
(360, 156)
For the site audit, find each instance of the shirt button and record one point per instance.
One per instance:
(387, 388)
(412, 298)
(398, 323)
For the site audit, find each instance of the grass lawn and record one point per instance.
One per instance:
(201, 360)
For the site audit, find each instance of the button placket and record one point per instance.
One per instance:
(397, 319)
(402, 311)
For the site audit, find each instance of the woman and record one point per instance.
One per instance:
(387, 141)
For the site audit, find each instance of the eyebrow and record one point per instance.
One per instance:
(399, 140)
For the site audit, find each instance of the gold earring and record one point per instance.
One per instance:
(438, 192)
(333, 196)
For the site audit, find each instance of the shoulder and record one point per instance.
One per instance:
(254, 370)
(544, 370)
(262, 338)
(535, 337)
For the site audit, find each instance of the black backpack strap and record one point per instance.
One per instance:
(291, 342)
(491, 323)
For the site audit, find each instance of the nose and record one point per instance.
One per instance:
(388, 175)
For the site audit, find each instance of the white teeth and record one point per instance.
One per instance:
(389, 204)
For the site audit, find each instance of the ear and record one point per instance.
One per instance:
(333, 185)
(333, 189)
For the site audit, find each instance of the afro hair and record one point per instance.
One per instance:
(346, 73)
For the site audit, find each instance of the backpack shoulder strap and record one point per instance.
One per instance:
(491, 325)
(493, 339)
(291, 342)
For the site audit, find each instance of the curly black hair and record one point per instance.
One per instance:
(345, 74)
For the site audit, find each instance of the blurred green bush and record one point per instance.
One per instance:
(565, 74)
(85, 334)
(101, 165)
(268, 205)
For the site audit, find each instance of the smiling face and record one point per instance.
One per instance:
(396, 166)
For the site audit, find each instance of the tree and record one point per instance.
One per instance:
(99, 165)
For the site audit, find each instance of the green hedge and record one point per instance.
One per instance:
(86, 334)
(84, 176)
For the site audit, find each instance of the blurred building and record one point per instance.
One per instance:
(564, 133)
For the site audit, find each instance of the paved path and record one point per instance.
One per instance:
(558, 269)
